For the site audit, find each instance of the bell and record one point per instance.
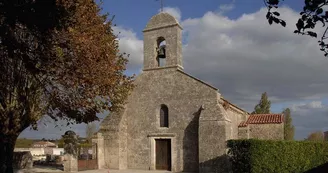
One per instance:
(161, 52)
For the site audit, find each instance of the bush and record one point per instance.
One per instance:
(23, 143)
(257, 156)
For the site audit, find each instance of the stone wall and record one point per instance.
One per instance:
(183, 96)
(266, 131)
(98, 150)
(139, 122)
(236, 117)
(166, 26)
(243, 132)
(110, 129)
(70, 163)
(212, 146)
(198, 124)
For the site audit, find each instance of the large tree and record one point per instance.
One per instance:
(312, 14)
(58, 58)
(315, 136)
(289, 129)
(263, 107)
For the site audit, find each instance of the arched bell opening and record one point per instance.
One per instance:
(161, 51)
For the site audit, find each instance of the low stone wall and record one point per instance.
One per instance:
(267, 131)
(70, 163)
(22, 160)
(243, 132)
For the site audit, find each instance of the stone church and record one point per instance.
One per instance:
(172, 120)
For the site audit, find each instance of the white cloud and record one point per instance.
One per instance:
(174, 11)
(307, 106)
(226, 7)
(246, 56)
(309, 117)
(130, 44)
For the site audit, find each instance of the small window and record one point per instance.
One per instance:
(164, 116)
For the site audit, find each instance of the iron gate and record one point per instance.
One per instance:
(87, 158)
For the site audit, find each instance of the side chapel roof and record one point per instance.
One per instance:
(263, 119)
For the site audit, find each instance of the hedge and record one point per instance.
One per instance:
(258, 156)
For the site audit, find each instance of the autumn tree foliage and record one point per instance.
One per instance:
(312, 15)
(315, 136)
(263, 107)
(58, 58)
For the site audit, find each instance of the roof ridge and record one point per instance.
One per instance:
(237, 107)
(199, 80)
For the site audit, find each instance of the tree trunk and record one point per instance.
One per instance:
(7, 145)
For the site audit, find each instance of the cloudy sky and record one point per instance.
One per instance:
(229, 44)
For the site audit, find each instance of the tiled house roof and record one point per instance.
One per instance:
(263, 119)
(41, 144)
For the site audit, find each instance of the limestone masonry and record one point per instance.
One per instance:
(173, 121)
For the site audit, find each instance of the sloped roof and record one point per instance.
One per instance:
(263, 119)
(160, 20)
(233, 105)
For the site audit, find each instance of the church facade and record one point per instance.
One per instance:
(172, 120)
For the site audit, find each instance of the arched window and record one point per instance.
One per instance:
(161, 51)
(164, 116)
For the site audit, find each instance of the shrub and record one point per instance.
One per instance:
(24, 143)
(257, 156)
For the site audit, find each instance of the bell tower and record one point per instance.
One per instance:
(162, 42)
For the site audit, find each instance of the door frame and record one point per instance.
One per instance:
(152, 141)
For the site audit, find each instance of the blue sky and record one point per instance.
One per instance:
(240, 54)
(135, 14)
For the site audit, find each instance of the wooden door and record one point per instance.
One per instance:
(163, 154)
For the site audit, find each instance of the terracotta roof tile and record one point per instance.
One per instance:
(43, 143)
(243, 124)
(40, 143)
(263, 119)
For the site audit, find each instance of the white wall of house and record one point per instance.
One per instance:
(42, 151)
(34, 151)
(58, 151)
